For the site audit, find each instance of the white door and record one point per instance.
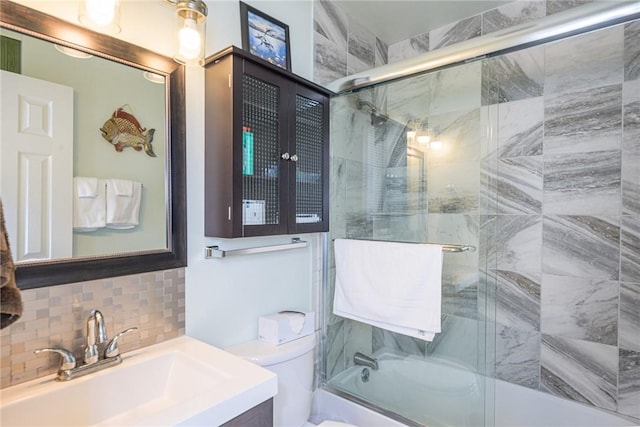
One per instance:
(36, 159)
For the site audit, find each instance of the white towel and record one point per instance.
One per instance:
(394, 286)
(123, 211)
(122, 187)
(89, 212)
(86, 186)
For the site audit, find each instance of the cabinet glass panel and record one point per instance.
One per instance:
(309, 138)
(260, 150)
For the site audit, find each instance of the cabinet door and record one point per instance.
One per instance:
(310, 131)
(264, 139)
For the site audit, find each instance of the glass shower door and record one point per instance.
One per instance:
(417, 173)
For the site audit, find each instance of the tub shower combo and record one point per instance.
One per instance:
(525, 145)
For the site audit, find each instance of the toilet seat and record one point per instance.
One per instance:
(335, 424)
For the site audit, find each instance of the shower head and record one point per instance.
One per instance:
(377, 119)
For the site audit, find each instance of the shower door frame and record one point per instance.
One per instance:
(575, 21)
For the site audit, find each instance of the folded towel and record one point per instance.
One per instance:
(10, 298)
(122, 187)
(89, 213)
(122, 210)
(86, 186)
(394, 286)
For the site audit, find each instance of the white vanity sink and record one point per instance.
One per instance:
(179, 382)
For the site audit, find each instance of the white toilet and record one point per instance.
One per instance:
(293, 363)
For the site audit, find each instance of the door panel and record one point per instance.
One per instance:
(36, 151)
(311, 146)
(264, 141)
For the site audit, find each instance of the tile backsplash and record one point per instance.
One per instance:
(56, 317)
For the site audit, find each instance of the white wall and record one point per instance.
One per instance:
(223, 297)
(223, 28)
(149, 23)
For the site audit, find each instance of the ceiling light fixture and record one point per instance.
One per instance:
(419, 134)
(72, 52)
(100, 15)
(191, 19)
(153, 77)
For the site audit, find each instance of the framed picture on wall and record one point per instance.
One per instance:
(265, 36)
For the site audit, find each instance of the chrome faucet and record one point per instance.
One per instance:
(99, 353)
(364, 360)
(96, 337)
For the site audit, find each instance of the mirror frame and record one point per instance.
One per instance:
(25, 20)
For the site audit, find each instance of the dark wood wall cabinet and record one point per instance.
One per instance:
(266, 149)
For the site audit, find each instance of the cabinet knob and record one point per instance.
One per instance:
(294, 158)
(285, 156)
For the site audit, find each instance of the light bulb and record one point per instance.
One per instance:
(423, 139)
(436, 145)
(101, 12)
(189, 40)
(411, 137)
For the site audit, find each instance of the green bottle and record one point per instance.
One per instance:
(247, 151)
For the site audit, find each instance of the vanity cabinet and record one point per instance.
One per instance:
(258, 416)
(266, 149)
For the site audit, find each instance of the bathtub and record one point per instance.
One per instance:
(442, 393)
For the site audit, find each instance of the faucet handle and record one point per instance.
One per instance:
(68, 359)
(112, 348)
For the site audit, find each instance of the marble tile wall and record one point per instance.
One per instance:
(342, 45)
(551, 197)
(56, 317)
(629, 320)
(560, 160)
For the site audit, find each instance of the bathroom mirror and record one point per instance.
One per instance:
(168, 235)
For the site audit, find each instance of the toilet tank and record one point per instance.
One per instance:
(293, 363)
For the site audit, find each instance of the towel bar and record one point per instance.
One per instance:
(216, 252)
(445, 247)
(458, 248)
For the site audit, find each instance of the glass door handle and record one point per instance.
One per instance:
(294, 158)
(285, 156)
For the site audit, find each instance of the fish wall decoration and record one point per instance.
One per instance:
(123, 130)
